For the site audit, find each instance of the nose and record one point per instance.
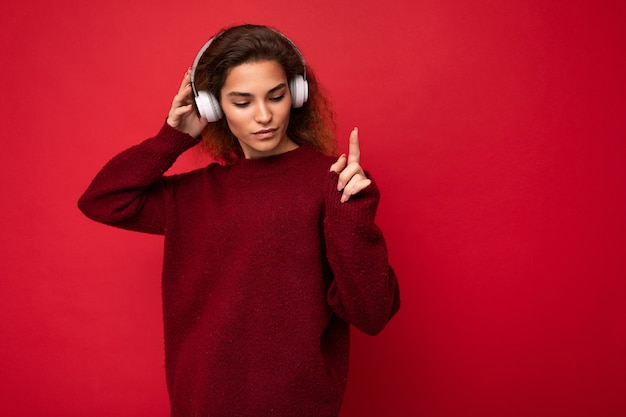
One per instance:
(263, 114)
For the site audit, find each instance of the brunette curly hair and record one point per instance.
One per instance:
(313, 123)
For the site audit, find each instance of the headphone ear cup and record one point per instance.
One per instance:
(208, 106)
(299, 88)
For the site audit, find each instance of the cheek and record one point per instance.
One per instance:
(285, 113)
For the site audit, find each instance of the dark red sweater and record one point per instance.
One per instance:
(264, 270)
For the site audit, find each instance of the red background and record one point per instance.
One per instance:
(495, 130)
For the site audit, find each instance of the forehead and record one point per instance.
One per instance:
(254, 77)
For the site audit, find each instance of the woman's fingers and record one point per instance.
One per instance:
(356, 184)
(186, 80)
(182, 115)
(339, 165)
(352, 178)
(354, 151)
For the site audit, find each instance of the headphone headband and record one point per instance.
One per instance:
(195, 64)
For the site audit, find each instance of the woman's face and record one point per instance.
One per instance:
(256, 102)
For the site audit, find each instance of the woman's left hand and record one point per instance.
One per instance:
(352, 178)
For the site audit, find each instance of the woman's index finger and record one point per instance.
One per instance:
(354, 152)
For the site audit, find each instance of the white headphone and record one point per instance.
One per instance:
(208, 105)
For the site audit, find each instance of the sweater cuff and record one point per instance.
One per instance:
(359, 209)
(178, 141)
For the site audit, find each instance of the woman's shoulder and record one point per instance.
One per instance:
(212, 170)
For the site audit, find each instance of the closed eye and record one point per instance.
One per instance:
(274, 99)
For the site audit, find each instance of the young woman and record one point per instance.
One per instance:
(272, 253)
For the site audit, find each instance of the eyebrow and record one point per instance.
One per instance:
(242, 94)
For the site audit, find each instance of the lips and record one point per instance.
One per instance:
(265, 133)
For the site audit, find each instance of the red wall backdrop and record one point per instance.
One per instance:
(496, 131)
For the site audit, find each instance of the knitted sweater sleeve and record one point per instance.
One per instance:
(364, 291)
(128, 191)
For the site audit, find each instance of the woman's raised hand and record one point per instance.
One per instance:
(352, 178)
(182, 115)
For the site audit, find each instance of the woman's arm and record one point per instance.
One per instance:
(128, 191)
(365, 290)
